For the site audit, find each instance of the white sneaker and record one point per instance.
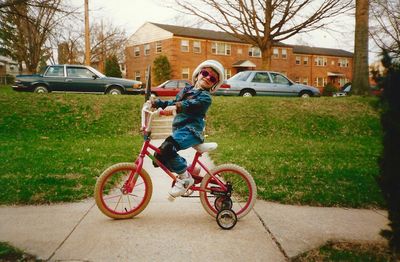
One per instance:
(181, 186)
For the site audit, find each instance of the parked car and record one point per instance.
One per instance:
(170, 87)
(346, 89)
(76, 78)
(264, 83)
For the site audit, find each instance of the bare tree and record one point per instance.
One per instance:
(263, 23)
(385, 28)
(360, 82)
(26, 26)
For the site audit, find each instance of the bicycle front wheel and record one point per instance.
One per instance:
(244, 190)
(120, 193)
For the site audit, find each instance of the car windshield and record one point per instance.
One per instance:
(241, 76)
(96, 72)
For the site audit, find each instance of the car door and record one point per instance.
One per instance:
(282, 86)
(81, 79)
(261, 83)
(170, 88)
(55, 78)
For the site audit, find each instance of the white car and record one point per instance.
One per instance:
(264, 83)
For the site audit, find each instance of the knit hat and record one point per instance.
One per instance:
(216, 66)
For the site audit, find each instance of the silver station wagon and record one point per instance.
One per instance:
(264, 83)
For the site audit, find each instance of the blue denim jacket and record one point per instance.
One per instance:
(192, 105)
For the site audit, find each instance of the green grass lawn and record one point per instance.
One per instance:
(319, 151)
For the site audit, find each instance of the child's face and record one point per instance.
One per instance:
(207, 78)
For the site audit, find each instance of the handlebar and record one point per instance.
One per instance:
(147, 109)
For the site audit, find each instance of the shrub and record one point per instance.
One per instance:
(112, 67)
(161, 69)
(389, 163)
(329, 89)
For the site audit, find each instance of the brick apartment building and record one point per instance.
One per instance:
(186, 47)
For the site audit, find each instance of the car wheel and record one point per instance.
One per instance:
(305, 94)
(114, 91)
(41, 90)
(247, 93)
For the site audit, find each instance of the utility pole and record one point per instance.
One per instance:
(87, 39)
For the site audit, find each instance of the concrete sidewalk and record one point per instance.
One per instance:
(181, 230)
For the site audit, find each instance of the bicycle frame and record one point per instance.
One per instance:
(146, 128)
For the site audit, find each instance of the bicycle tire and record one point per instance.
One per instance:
(108, 189)
(244, 193)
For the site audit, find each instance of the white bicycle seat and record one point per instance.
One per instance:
(205, 147)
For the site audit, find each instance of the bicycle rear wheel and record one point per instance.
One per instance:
(112, 193)
(244, 190)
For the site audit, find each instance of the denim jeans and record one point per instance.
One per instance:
(185, 138)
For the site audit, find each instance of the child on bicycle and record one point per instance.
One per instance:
(191, 105)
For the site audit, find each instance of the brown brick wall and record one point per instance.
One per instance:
(179, 60)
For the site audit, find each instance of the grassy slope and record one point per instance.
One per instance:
(317, 151)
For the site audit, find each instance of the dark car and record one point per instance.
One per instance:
(264, 83)
(76, 78)
(170, 87)
(346, 89)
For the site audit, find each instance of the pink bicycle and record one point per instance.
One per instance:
(227, 192)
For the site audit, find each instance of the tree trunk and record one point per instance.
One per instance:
(360, 83)
(266, 54)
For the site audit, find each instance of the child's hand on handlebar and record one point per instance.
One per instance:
(169, 110)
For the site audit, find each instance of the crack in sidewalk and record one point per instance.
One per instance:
(70, 233)
(272, 236)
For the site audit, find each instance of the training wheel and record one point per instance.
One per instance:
(226, 219)
(223, 202)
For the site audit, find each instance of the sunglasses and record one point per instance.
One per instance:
(205, 73)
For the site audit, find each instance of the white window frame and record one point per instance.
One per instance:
(158, 47)
(275, 53)
(185, 73)
(321, 61)
(147, 49)
(343, 62)
(197, 47)
(298, 60)
(137, 75)
(284, 53)
(305, 60)
(228, 73)
(184, 45)
(136, 51)
(320, 81)
(220, 48)
(254, 51)
(305, 81)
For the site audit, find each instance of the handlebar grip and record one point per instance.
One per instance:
(166, 113)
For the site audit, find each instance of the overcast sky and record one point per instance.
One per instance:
(131, 14)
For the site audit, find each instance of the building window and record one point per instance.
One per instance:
(343, 81)
(147, 49)
(275, 53)
(284, 53)
(240, 51)
(136, 51)
(343, 62)
(320, 61)
(196, 47)
(185, 73)
(185, 45)
(220, 48)
(137, 75)
(158, 47)
(298, 60)
(305, 80)
(297, 80)
(305, 60)
(254, 51)
(320, 81)
(228, 73)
